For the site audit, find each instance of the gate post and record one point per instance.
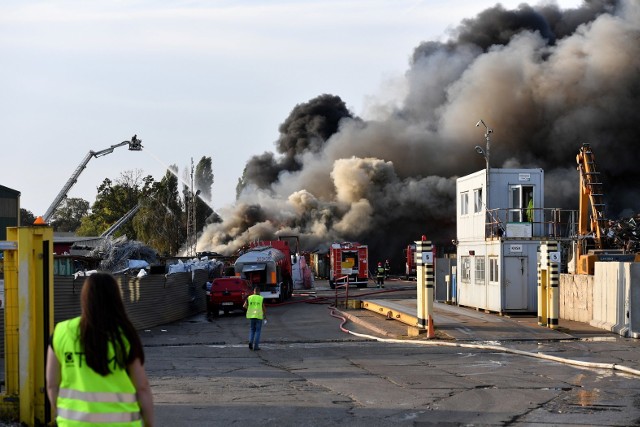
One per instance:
(28, 321)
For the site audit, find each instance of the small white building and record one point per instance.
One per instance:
(501, 221)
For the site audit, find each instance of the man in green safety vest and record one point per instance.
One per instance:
(257, 314)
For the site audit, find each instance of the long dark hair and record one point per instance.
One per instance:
(105, 320)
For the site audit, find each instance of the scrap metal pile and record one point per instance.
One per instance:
(623, 234)
(116, 253)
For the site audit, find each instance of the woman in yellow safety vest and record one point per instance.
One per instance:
(95, 363)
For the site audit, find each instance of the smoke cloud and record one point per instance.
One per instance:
(545, 79)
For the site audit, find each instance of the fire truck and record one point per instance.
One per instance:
(410, 259)
(348, 260)
(267, 264)
(410, 263)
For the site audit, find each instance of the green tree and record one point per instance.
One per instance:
(113, 201)
(26, 217)
(160, 221)
(203, 180)
(69, 214)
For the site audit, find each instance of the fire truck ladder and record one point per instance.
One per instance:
(590, 193)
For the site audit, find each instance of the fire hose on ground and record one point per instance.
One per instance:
(573, 362)
(590, 365)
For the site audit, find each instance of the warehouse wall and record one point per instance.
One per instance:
(150, 301)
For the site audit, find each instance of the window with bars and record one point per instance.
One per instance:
(479, 270)
(465, 269)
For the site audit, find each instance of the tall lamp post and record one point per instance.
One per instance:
(485, 153)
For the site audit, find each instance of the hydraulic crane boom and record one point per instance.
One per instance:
(134, 145)
(591, 222)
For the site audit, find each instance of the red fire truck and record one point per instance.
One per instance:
(410, 264)
(410, 259)
(267, 264)
(349, 259)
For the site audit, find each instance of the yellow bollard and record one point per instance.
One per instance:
(553, 294)
(425, 280)
(28, 322)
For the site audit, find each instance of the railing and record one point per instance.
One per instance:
(553, 223)
(339, 292)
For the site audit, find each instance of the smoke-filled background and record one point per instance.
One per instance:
(545, 80)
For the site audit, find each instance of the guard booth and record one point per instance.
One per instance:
(501, 220)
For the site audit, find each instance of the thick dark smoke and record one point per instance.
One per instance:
(307, 129)
(546, 80)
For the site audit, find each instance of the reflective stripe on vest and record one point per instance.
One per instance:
(254, 307)
(102, 417)
(89, 396)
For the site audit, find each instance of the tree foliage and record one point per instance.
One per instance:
(160, 222)
(203, 179)
(26, 217)
(113, 201)
(69, 214)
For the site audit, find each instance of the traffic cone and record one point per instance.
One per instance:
(431, 333)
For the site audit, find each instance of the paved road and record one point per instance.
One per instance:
(312, 373)
(309, 372)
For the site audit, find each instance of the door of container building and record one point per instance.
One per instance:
(515, 282)
(519, 198)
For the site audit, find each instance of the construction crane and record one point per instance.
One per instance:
(134, 145)
(591, 245)
(591, 193)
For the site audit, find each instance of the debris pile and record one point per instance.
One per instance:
(116, 254)
(623, 234)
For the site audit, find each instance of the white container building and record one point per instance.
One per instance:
(501, 220)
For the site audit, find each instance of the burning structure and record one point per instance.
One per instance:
(546, 79)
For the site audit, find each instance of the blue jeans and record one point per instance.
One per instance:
(254, 335)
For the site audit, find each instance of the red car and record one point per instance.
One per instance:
(227, 294)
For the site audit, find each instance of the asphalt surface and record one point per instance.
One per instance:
(572, 342)
(189, 360)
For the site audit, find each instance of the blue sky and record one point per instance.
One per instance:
(190, 78)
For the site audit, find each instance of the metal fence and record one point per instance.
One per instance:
(152, 300)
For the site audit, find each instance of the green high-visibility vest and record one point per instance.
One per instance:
(86, 398)
(254, 307)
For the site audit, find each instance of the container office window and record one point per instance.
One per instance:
(465, 269)
(464, 203)
(493, 269)
(479, 270)
(477, 200)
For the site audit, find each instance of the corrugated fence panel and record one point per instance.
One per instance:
(150, 301)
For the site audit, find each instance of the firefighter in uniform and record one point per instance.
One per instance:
(380, 275)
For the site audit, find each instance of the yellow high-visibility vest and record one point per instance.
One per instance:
(86, 397)
(254, 307)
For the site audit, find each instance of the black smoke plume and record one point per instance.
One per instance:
(545, 79)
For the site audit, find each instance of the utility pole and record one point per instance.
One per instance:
(191, 216)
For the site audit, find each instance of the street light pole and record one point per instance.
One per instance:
(485, 153)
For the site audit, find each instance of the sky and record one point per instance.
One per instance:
(190, 79)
